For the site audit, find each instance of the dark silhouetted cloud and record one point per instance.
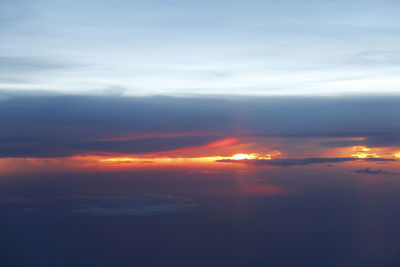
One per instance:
(299, 161)
(289, 162)
(377, 171)
(20, 147)
(373, 140)
(49, 126)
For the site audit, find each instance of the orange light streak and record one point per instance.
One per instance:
(166, 160)
(243, 156)
(223, 142)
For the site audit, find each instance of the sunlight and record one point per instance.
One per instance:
(363, 152)
(243, 156)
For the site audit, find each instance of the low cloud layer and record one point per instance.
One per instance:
(59, 126)
(286, 162)
(377, 171)
(37, 147)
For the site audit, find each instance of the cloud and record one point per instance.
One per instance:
(13, 64)
(378, 171)
(25, 69)
(286, 162)
(373, 140)
(42, 126)
(21, 147)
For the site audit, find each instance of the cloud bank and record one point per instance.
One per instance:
(377, 171)
(59, 126)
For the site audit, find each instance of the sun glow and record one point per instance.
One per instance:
(243, 156)
(181, 160)
(118, 160)
(165, 160)
(397, 155)
(363, 152)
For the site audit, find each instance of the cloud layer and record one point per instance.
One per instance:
(377, 171)
(51, 126)
(285, 162)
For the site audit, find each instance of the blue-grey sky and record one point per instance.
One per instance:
(177, 47)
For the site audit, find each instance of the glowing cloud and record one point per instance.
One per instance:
(363, 152)
(243, 156)
(223, 142)
(124, 160)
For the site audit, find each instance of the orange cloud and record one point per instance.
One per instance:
(363, 152)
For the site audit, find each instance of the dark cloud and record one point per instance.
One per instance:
(378, 160)
(298, 161)
(289, 162)
(39, 126)
(378, 171)
(373, 140)
(21, 147)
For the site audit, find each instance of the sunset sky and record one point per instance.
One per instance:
(199, 133)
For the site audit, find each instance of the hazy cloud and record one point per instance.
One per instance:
(22, 64)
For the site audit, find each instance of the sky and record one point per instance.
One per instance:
(199, 133)
(136, 131)
(186, 48)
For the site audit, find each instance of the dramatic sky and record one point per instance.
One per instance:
(199, 133)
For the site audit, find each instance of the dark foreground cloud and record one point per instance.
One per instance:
(299, 162)
(39, 147)
(371, 140)
(377, 171)
(41, 126)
